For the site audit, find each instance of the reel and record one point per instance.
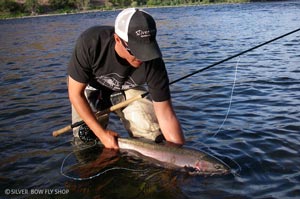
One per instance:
(117, 97)
(86, 134)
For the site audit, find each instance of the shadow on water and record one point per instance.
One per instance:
(96, 171)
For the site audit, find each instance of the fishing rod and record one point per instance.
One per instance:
(127, 102)
(233, 56)
(99, 114)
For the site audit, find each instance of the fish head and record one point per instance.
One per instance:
(209, 167)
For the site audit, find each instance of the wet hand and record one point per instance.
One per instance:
(109, 139)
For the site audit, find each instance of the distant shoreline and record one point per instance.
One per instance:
(73, 12)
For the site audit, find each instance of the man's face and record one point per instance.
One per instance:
(124, 52)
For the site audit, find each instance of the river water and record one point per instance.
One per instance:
(259, 139)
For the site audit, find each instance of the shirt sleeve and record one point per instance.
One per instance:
(158, 81)
(79, 67)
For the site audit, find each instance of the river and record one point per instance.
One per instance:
(252, 122)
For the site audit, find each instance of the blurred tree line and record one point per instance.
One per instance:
(33, 7)
(40, 7)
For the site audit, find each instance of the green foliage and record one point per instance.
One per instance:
(32, 6)
(138, 3)
(10, 6)
(121, 3)
(134, 4)
(62, 4)
(70, 4)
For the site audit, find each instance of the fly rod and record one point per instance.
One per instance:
(127, 102)
(99, 113)
(234, 56)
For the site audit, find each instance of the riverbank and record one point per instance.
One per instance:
(259, 140)
(5, 15)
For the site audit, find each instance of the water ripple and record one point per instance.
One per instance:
(260, 136)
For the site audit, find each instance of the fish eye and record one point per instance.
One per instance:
(218, 166)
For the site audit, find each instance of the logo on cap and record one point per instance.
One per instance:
(145, 33)
(138, 29)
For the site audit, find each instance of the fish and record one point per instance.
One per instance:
(193, 161)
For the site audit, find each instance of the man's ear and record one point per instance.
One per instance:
(117, 38)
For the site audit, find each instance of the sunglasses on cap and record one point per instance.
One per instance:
(126, 46)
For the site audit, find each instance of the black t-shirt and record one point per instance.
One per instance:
(95, 62)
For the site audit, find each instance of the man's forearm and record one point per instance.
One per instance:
(168, 122)
(85, 112)
(80, 103)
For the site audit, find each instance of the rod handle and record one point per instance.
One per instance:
(62, 131)
(98, 114)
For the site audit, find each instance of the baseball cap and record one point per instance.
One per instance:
(138, 29)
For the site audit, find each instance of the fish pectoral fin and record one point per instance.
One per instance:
(190, 169)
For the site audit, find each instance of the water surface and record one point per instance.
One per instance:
(261, 133)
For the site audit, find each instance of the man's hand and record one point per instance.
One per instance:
(109, 139)
(79, 101)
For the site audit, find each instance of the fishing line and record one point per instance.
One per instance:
(234, 56)
(198, 71)
(237, 171)
(93, 176)
(231, 97)
(229, 58)
(172, 82)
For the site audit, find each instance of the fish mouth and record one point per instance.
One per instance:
(210, 172)
(209, 167)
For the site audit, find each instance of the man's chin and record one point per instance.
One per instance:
(136, 63)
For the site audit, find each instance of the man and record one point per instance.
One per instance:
(122, 58)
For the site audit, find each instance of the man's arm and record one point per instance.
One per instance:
(77, 98)
(168, 122)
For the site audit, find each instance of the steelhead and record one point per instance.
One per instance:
(190, 160)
